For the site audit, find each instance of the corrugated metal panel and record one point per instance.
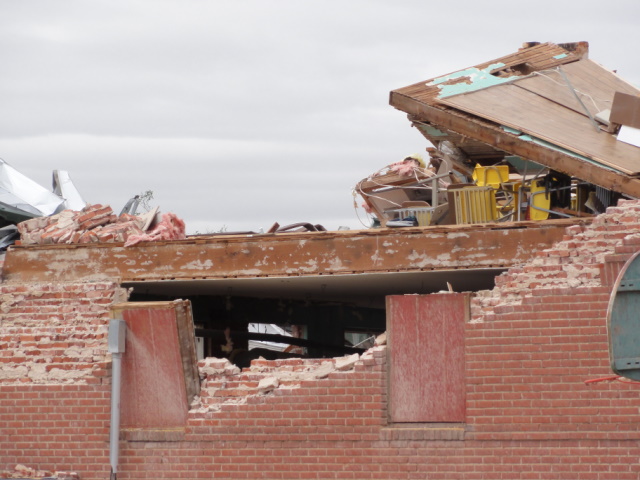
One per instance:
(426, 348)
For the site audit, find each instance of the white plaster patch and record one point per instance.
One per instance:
(198, 265)
(251, 271)
(458, 235)
(335, 263)
(311, 266)
(421, 260)
(376, 258)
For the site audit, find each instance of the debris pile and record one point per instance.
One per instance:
(98, 224)
(574, 154)
(169, 228)
(224, 383)
(22, 471)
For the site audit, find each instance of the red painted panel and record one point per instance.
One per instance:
(153, 388)
(426, 353)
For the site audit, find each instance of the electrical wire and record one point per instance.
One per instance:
(618, 378)
(562, 84)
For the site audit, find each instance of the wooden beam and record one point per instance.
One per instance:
(290, 254)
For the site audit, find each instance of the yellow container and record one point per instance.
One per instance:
(539, 200)
(491, 176)
(474, 205)
(422, 214)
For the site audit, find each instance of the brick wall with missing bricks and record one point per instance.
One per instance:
(530, 345)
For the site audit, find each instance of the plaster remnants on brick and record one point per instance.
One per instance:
(574, 262)
(56, 333)
(22, 471)
(225, 384)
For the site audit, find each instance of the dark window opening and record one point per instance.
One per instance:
(314, 317)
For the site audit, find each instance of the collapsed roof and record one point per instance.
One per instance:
(546, 103)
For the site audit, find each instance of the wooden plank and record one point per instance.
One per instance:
(187, 344)
(594, 84)
(154, 387)
(539, 57)
(626, 109)
(527, 112)
(426, 357)
(483, 130)
(373, 183)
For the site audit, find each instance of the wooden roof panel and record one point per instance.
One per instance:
(593, 84)
(539, 57)
(532, 114)
(527, 91)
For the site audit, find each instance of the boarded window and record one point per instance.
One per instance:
(159, 371)
(426, 357)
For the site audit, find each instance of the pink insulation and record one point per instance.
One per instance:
(169, 228)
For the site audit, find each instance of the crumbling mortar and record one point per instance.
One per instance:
(223, 384)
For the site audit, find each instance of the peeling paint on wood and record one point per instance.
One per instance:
(326, 253)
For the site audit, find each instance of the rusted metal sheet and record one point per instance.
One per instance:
(155, 389)
(316, 253)
(426, 353)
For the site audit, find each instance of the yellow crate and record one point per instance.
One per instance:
(474, 205)
(540, 201)
(423, 214)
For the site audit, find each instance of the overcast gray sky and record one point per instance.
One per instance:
(241, 113)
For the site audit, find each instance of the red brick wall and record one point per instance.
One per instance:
(55, 428)
(55, 377)
(530, 346)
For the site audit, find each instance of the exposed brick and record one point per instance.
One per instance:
(531, 344)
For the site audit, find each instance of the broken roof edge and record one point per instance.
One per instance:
(492, 134)
(471, 120)
(534, 56)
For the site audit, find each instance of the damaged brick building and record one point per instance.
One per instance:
(493, 334)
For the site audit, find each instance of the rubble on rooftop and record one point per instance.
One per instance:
(541, 133)
(98, 224)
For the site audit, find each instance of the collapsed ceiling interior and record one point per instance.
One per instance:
(546, 108)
